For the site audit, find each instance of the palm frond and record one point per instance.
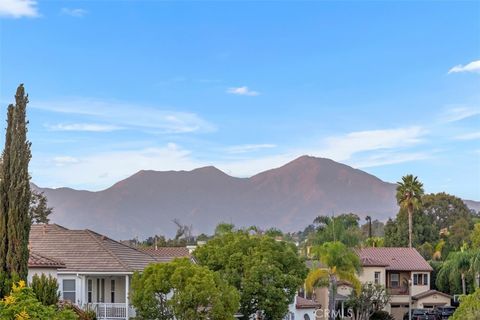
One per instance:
(316, 278)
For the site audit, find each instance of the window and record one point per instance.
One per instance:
(420, 279)
(100, 290)
(394, 280)
(377, 277)
(69, 292)
(90, 291)
(112, 289)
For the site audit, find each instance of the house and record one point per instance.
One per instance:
(93, 271)
(402, 271)
(303, 309)
(405, 274)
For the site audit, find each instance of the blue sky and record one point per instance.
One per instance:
(118, 86)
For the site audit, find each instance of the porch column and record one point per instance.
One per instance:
(127, 285)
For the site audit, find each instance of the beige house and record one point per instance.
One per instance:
(402, 271)
(405, 274)
(93, 271)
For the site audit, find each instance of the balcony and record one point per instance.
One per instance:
(400, 291)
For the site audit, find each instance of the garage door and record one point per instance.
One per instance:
(398, 311)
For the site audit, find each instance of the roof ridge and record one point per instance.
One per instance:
(118, 242)
(91, 234)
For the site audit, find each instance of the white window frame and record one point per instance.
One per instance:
(74, 289)
(376, 279)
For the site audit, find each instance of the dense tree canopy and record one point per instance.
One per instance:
(184, 291)
(469, 308)
(266, 272)
(343, 228)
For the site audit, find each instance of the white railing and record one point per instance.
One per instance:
(107, 311)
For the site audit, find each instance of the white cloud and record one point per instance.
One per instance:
(130, 115)
(99, 171)
(64, 160)
(74, 12)
(341, 148)
(19, 8)
(382, 159)
(244, 148)
(469, 136)
(473, 66)
(88, 127)
(459, 113)
(242, 91)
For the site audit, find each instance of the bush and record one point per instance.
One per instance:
(381, 315)
(469, 308)
(46, 289)
(22, 304)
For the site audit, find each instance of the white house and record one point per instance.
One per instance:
(93, 271)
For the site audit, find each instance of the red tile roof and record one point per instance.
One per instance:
(399, 259)
(303, 303)
(36, 260)
(430, 293)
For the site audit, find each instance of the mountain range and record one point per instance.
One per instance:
(288, 197)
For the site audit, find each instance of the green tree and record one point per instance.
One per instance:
(469, 308)
(341, 263)
(184, 291)
(372, 298)
(396, 231)
(409, 196)
(223, 228)
(475, 236)
(15, 194)
(267, 273)
(445, 209)
(39, 209)
(459, 233)
(344, 228)
(458, 272)
(45, 289)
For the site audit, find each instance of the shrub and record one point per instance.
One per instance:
(46, 289)
(22, 304)
(469, 308)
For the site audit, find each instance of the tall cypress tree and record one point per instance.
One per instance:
(15, 196)
(4, 183)
(18, 193)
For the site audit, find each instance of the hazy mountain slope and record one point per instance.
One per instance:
(289, 197)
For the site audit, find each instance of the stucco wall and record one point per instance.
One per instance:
(368, 274)
(40, 271)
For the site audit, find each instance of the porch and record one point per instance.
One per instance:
(107, 294)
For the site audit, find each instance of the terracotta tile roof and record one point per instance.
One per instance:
(167, 254)
(430, 293)
(399, 259)
(36, 260)
(303, 303)
(85, 250)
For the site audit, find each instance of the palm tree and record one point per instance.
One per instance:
(339, 263)
(409, 196)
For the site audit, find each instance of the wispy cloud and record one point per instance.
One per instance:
(19, 8)
(125, 115)
(459, 113)
(64, 160)
(242, 91)
(473, 66)
(88, 127)
(74, 12)
(388, 158)
(341, 148)
(469, 136)
(244, 148)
